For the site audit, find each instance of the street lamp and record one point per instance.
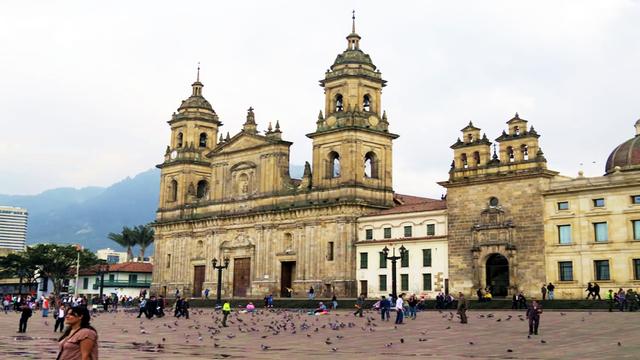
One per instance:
(219, 268)
(102, 269)
(394, 258)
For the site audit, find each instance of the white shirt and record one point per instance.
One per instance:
(399, 304)
(61, 313)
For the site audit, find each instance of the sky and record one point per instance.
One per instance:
(86, 87)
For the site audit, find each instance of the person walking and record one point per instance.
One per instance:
(550, 289)
(26, 313)
(359, 305)
(463, 305)
(143, 307)
(45, 307)
(399, 309)
(226, 310)
(185, 308)
(80, 340)
(59, 315)
(589, 290)
(533, 314)
(596, 291)
(413, 303)
(543, 290)
(385, 307)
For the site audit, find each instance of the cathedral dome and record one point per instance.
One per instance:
(196, 100)
(353, 56)
(626, 156)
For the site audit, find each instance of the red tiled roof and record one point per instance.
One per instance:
(136, 267)
(408, 203)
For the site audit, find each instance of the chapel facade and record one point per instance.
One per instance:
(231, 197)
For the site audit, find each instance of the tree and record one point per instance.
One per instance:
(18, 265)
(58, 262)
(125, 239)
(143, 236)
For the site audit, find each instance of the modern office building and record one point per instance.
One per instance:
(13, 227)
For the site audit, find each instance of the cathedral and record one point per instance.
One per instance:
(232, 197)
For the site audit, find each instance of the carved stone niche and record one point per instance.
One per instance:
(243, 176)
(493, 228)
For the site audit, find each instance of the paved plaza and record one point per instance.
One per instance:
(280, 334)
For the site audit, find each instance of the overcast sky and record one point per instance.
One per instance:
(86, 87)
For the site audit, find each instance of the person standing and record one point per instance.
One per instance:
(334, 301)
(45, 307)
(312, 294)
(385, 307)
(59, 314)
(399, 309)
(80, 340)
(226, 310)
(596, 291)
(359, 305)
(413, 303)
(206, 293)
(543, 290)
(185, 308)
(151, 307)
(533, 314)
(26, 313)
(610, 299)
(550, 289)
(463, 305)
(160, 307)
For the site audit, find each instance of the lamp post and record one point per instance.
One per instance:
(394, 258)
(102, 269)
(219, 268)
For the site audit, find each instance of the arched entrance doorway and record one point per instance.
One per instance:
(498, 275)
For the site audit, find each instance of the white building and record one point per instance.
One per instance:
(13, 227)
(122, 279)
(111, 256)
(418, 224)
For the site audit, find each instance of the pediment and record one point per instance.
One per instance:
(240, 142)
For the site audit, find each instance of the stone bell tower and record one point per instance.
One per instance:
(185, 171)
(352, 145)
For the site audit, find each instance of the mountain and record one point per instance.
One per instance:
(85, 216)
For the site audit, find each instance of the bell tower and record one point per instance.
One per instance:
(352, 145)
(185, 171)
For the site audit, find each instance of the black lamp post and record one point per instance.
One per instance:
(102, 269)
(219, 268)
(394, 259)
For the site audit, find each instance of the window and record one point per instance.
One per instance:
(564, 234)
(636, 229)
(112, 277)
(602, 269)
(339, 102)
(510, 154)
(371, 165)
(85, 283)
(334, 165)
(133, 278)
(203, 188)
(404, 282)
(426, 257)
(563, 205)
(600, 231)
(636, 269)
(598, 202)
(382, 282)
(525, 151)
(168, 261)
(364, 260)
(203, 140)
(426, 282)
(173, 191)
(565, 270)
(330, 252)
(368, 234)
(463, 158)
(179, 140)
(635, 199)
(387, 233)
(404, 261)
(476, 158)
(431, 229)
(407, 231)
(383, 260)
(366, 103)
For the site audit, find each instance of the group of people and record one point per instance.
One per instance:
(629, 300)
(484, 295)
(518, 301)
(593, 290)
(152, 307)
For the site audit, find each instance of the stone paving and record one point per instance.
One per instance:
(489, 335)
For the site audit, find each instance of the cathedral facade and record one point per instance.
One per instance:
(233, 198)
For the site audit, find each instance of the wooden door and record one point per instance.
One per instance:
(241, 273)
(286, 277)
(364, 288)
(198, 279)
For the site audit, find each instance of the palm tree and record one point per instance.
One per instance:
(125, 239)
(143, 236)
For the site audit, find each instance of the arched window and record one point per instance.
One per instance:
(339, 102)
(334, 165)
(366, 103)
(179, 140)
(371, 165)
(476, 158)
(203, 189)
(173, 191)
(510, 154)
(470, 138)
(525, 151)
(203, 139)
(516, 130)
(463, 158)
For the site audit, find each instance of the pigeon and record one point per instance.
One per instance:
(542, 341)
(334, 349)
(509, 350)
(265, 347)
(388, 345)
(402, 340)
(619, 343)
(470, 342)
